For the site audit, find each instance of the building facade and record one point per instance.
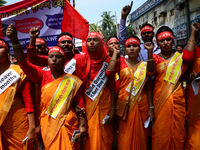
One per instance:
(171, 13)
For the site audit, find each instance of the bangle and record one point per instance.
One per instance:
(113, 60)
(191, 41)
(114, 108)
(83, 125)
(190, 76)
(151, 107)
(19, 45)
(150, 59)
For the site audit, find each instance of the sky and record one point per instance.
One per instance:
(92, 10)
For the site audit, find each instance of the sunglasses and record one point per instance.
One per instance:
(39, 46)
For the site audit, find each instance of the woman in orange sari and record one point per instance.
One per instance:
(100, 105)
(16, 106)
(58, 119)
(132, 134)
(192, 55)
(168, 131)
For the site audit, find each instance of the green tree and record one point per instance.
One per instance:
(107, 21)
(108, 27)
(129, 30)
(95, 27)
(2, 2)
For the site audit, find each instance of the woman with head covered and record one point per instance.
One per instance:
(100, 105)
(59, 91)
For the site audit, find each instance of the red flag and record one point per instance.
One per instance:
(1, 29)
(74, 23)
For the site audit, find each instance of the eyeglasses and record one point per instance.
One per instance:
(39, 46)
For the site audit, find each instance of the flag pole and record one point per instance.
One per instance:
(74, 38)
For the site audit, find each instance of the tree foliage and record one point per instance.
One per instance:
(108, 27)
(2, 2)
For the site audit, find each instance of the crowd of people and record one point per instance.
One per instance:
(55, 99)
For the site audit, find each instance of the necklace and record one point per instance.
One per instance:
(133, 64)
(166, 57)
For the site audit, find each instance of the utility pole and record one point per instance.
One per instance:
(116, 23)
(187, 18)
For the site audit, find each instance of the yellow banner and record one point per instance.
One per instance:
(139, 78)
(60, 96)
(173, 68)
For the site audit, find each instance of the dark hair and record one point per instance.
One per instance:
(146, 24)
(133, 36)
(112, 36)
(6, 43)
(64, 33)
(182, 46)
(163, 29)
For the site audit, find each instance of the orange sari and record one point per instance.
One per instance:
(57, 133)
(100, 136)
(132, 135)
(168, 131)
(14, 122)
(193, 116)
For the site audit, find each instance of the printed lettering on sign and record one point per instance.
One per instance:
(98, 83)
(139, 78)
(8, 78)
(60, 96)
(70, 66)
(173, 68)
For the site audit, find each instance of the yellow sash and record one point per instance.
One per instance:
(139, 78)
(48, 93)
(7, 97)
(174, 68)
(60, 96)
(137, 97)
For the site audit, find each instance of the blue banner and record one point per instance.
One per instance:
(144, 8)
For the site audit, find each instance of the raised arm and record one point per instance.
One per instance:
(110, 70)
(30, 70)
(150, 62)
(192, 40)
(31, 50)
(122, 27)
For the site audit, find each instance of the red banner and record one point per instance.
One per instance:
(74, 23)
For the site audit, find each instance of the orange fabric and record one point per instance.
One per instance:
(15, 124)
(57, 133)
(132, 135)
(100, 136)
(168, 131)
(193, 130)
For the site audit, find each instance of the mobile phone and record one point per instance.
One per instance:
(75, 137)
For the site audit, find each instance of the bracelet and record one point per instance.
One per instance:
(150, 59)
(151, 107)
(83, 125)
(17, 45)
(113, 60)
(191, 41)
(190, 76)
(114, 108)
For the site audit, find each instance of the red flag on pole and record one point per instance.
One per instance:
(1, 29)
(74, 23)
